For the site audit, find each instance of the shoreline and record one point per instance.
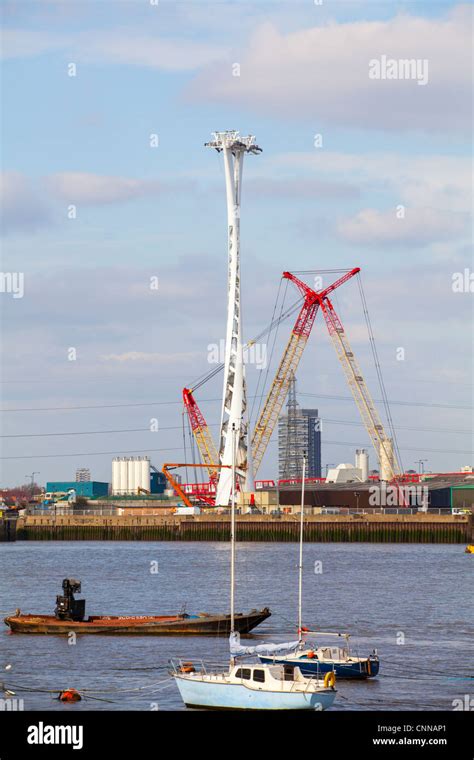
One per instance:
(372, 528)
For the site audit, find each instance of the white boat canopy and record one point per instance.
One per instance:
(237, 650)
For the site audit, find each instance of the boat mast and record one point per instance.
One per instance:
(232, 536)
(300, 580)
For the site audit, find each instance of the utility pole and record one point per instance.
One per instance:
(32, 476)
(421, 465)
(234, 400)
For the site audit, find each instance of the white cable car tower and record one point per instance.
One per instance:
(234, 400)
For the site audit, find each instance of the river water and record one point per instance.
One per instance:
(413, 603)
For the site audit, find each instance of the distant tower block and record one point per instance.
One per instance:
(234, 400)
(83, 475)
(386, 459)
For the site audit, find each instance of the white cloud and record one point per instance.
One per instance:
(435, 189)
(117, 46)
(321, 74)
(154, 358)
(300, 187)
(148, 50)
(434, 180)
(419, 226)
(28, 204)
(94, 189)
(23, 43)
(21, 204)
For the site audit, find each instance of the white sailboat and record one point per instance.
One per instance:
(254, 686)
(321, 660)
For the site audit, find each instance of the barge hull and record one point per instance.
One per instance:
(212, 625)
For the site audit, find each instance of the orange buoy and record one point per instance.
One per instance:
(69, 695)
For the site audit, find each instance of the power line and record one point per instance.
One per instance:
(399, 427)
(93, 432)
(209, 400)
(92, 406)
(403, 448)
(97, 380)
(179, 448)
(398, 403)
(325, 420)
(96, 453)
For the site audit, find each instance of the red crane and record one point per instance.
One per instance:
(292, 354)
(201, 433)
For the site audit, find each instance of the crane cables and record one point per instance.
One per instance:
(184, 445)
(373, 347)
(275, 323)
(202, 379)
(378, 369)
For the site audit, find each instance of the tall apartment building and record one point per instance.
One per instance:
(83, 475)
(299, 431)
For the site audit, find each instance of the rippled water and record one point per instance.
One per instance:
(378, 592)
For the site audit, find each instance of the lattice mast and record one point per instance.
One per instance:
(234, 398)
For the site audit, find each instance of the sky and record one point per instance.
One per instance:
(114, 249)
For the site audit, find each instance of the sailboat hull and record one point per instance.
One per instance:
(364, 669)
(229, 696)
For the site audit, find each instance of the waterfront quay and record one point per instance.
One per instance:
(373, 528)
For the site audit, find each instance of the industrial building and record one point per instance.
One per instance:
(453, 493)
(90, 489)
(348, 473)
(445, 492)
(299, 432)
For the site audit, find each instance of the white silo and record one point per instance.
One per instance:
(138, 473)
(123, 476)
(118, 489)
(115, 475)
(362, 463)
(145, 473)
(118, 477)
(130, 474)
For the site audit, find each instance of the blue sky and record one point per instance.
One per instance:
(166, 69)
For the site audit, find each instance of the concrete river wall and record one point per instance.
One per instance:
(418, 528)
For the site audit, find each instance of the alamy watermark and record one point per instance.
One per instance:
(253, 353)
(12, 282)
(12, 704)
(384, 67)
(463, 282)
(384, 495)
(464, 703)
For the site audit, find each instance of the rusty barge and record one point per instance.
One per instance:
(69, 616)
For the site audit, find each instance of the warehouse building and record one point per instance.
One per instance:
(90, 489)
(433, 493)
